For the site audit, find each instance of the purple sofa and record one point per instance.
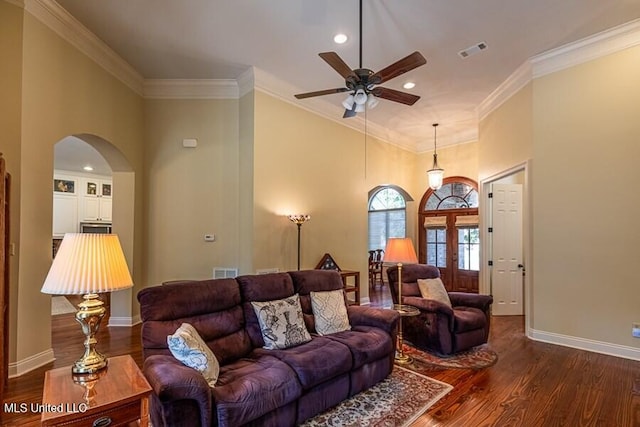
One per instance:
(258, 386)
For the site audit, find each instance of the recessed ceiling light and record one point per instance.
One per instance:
(88, 168)
(409, 85)
(340, 38)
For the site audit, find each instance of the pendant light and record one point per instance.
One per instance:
(436, 173)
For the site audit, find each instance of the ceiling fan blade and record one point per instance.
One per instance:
(399, 67)
(321, 92)
(395, 95)
(338, 64)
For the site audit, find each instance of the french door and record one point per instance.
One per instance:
(452, 243)
(449, 236)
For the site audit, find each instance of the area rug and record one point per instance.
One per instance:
(479, 357)
(61, 305)
(396, 401)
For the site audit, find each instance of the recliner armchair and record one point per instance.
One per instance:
(440, 328)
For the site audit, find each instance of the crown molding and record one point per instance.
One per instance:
(246, 82)
(190, 89)
(587, 49)
(593, 47)
(70, 29)
(19, 3)
(516, 81)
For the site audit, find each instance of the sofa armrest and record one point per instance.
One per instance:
(471, 300)
(173, 383)
(385, 319)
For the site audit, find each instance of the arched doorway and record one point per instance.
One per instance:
(121, 200)
(449, 234)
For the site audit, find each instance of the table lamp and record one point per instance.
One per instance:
(400, 250)
(88, 264)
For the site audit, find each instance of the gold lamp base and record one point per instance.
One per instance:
(90, 313)
(403, 359)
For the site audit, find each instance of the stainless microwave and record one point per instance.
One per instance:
(95, 227)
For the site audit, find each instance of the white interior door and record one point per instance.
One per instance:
(506, 274)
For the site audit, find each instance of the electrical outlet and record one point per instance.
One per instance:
(209, 237)
(635, 330)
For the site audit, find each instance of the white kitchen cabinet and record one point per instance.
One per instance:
(65, 214)
(79, 198)
(65, 204)
(96, 199)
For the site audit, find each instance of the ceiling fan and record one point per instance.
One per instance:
(362, 83)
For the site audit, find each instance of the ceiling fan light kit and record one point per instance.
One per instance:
(362, 83)
(348, 102)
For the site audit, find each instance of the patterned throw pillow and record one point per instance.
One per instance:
(187, 346)
(434, 289)
(330, 312)
(281, 323)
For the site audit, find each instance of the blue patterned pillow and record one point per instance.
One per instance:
(281, 323)
(330, 312)
(187, 346)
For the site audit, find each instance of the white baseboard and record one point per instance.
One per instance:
(124, 321)
(30, 363)
(586, 344)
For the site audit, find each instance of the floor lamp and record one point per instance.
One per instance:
(299, 220)
(400, 250)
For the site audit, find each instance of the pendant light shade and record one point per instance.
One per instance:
(435, 174)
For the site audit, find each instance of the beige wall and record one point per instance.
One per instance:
(191, 191)
(10, 123)
(245, 182)
(308, 164)
(578, 125)
(506, 135)
(63, 93)
(585, 202)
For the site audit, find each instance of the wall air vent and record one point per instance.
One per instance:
(472, 50)
(224, 273)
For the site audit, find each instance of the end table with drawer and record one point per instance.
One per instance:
(114, 396)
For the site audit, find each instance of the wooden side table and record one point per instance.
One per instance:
(351, 287)
(115, 396)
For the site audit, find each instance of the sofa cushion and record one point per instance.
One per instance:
(212, 307)
(434, 289)
(315, 362)
(249, 388)
(468, 319)
(261, 287)
(306, 281)
(281, 322)
(366, 344)
(330, 312)
(186, 345)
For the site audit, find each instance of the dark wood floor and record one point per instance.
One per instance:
(532, 384)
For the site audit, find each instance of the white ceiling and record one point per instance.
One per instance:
(73, 154)
(221, 39)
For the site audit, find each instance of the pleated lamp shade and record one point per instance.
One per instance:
(88, 264)
(400, 249)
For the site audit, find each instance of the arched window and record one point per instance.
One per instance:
(387, 216)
